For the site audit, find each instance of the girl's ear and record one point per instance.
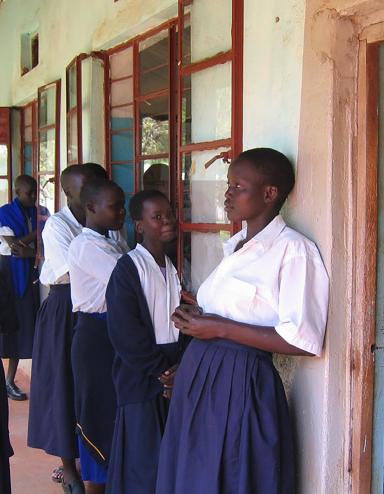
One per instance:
(271, 193)
(67, 192)
(139, 226)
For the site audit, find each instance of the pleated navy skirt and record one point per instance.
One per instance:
(136, 446)
(228, 429)
(19, 344)
(95, 398)
(52, 422)
(5, 446)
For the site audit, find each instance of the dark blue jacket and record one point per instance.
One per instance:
(139, 359)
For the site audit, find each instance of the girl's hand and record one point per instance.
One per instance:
(201, 326)
(167, 379)
(19, 249)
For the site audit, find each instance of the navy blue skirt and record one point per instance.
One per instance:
(19, 344)
(95, 398)
(228, 429)
(5, 446)
(136, 446)
(52, 423)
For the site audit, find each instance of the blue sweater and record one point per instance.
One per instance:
(139, 359)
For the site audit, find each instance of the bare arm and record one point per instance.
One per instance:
(210, 326)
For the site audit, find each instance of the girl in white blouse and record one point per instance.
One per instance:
(228, 429)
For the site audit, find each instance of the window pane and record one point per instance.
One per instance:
(3, 159)
(155, 175)
(122, 92)
(47, 150)
(72, 85)
(47, 108)
(121, 63)
(211, 28)
(28, 116)
(47, 192)
(72, 138)
(154, 59)
(3, 191)
(202, 253)
(124, 175)
(122, 118)
(28, 167)
(154, 126)
(207, 96)
(204, 189)
(122, 146)
(28, 134)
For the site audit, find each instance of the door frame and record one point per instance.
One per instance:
(365, 183)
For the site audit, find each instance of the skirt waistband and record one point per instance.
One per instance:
(95, 315)
(62, 287)
(237, 346)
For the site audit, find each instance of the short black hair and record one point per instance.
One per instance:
(95, 187)
(71, 171)
(274, 166)
(25, 180)
(96, 170)
(137, 201)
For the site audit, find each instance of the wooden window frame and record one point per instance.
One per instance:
(78, 109)
(33, 106)
(5, 139)
(56, 126)
(169, 25)
(235, 142)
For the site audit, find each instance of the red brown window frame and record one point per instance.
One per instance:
(56, 126)
(5, 139)
(171, 26)
(33, 106)
(235, 142)
(78, 109)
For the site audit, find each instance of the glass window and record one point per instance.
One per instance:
(3, 191)
(154, 125)
(204, 188)
(3, 159)
(155, 175)
(47, 107)
(210, 25)
(211, 114)
(154, 61)
(202, 252)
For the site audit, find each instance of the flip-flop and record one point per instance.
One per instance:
(58, 475)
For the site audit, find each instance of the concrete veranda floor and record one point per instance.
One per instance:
(30, 468)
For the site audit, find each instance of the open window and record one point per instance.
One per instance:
(5, 156)
(210, 129)
(85, 109)
(28, 132)
(48, 162)
(141, 123)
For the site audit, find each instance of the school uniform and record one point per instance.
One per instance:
(141, 299)
(52, 421)
(8, 323)
(92, 258)
(228, 429)
(20, 278)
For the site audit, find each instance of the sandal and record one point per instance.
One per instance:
(58, 475)
(75, 487)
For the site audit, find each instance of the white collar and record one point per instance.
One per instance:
(264, 238)
(149, 256)
(93, 233)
